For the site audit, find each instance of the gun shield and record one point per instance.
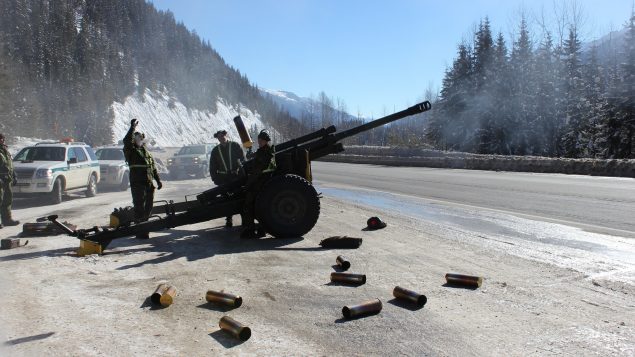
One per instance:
(409, 295)
(370, 307)
(234, 328)
(163, 295)
(348, 278)
(242, 131)
(222, 298)
(343, 262)
(464, 280)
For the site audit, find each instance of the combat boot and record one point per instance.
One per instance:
(248, 233)
(9, 222)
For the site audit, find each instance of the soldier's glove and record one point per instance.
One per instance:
(134, 123)
(159, 185)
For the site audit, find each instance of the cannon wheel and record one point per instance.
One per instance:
(287, 206)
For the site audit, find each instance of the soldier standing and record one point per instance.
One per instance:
(142, 172)
(264, 163)
(224, 163)
(7, 179)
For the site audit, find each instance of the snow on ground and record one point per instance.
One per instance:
(171, 124)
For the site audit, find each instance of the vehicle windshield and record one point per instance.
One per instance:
(41, 153)
(110, 154)
(192, 150)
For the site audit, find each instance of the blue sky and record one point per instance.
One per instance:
(375, 55)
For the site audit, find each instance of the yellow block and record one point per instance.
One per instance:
(114, 221)
(88, 248)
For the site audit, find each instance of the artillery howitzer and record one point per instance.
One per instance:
(287, 206)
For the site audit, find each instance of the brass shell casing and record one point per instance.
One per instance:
(369, 307)
(343, 262)
(348, 278)
(464, 280)
(163, 295)
(221, 298)
(409, 295)
(234, 328)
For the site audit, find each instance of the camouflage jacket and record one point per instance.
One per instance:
(264, 162)
(140, 161)
(6, 163)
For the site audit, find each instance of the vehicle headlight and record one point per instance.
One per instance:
(196, 159)
(170, 161)
(44, 173)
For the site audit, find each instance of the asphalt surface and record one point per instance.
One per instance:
(596, 204)
(549, 288)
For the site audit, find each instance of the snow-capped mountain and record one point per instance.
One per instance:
(302, 108)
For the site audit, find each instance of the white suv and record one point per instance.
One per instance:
(113, 167)
(55, 168)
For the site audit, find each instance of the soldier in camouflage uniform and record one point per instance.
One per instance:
(224, 163)
(7, 179)
(142, 172)
(264, 163)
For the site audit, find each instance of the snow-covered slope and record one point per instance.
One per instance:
(289, 101)
(171, 124)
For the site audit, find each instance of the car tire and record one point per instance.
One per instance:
(91, 190)
(202, 172)
(125, 182)
(57, 192)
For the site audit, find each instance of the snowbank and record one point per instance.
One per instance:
(459, 160)
(171, 124)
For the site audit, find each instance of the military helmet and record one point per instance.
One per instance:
(264, 135)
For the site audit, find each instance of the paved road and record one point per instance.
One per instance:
(597, 204)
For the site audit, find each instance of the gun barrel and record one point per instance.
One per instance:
(303, 139)
(415, 109)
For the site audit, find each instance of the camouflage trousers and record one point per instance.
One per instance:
(142, 200)
(6, 199)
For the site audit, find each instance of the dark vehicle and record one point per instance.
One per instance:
(190, 160)
(287, 206)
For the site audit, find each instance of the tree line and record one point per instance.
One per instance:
(549, 98)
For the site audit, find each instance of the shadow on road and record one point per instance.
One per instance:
(405, 305)
(18, 341)
(38, 254)
(195, 245)
(446, 285)
(22, 202)
(224, 339)
(214, 307)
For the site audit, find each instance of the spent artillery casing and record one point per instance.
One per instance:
(163, 295)
(464, 280)
(369, 307)
(409, 295)
(235, 328)
(242, 132)
(222, 298)
(348, 278)
(343, 262)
